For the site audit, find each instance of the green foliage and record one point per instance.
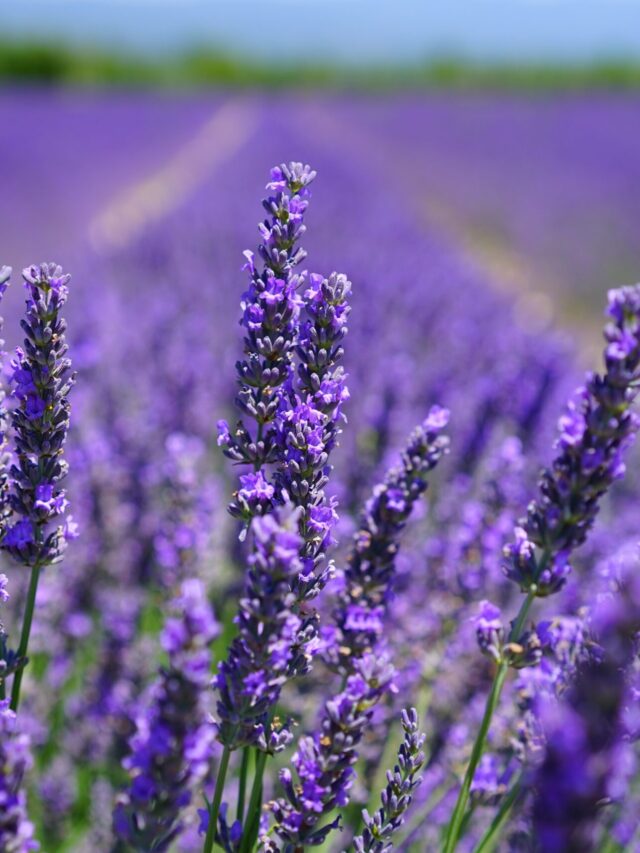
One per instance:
(56, 64)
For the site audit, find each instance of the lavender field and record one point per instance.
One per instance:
(289, 529)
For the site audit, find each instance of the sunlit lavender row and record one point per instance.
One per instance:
(358, 573)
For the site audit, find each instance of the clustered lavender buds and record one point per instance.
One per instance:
(42, 380)
(250, 680)
(309, 420)
(594, 433)
(324, 761)
(171, 749)
(397, 796)
(271, 307)
(369, 574)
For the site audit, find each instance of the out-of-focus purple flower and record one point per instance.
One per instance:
(5, 511)
(589, 748)
(489, 630)
(172, 746)
(16, 830)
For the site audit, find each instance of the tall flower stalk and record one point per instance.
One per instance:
(42, 379)
(594, 433)
(296, 414)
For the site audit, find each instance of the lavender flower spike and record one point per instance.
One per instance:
(397, 796)
(309, 419)
(41, 383)
(594, 433)
(324, 761)
(16, 830)
(250, 680)
(270, 308)
(171, 749)
(369, 574)
(42, 380)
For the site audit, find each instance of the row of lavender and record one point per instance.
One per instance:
(392, 627)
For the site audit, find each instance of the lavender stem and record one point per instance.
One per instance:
(24, 636)
(455, 825)
(217, 799)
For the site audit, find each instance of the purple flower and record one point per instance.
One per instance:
(370, 571)
(172, 745)
(271, 308)
(597, 428)
(398, 794)
(489, 630)
(16, 830)
(323, 762)
(255, 489)
(250, 680)
(42, 380)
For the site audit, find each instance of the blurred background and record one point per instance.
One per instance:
(509, 126)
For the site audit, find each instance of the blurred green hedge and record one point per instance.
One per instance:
(48, 63)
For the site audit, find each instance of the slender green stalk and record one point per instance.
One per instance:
(453, 832)
(217, 799)
(491, 836)
(27, 621)
(255, 805)
(242, 783)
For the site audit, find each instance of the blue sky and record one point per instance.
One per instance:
(355, 31)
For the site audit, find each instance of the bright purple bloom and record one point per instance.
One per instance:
(250, 680)
(42, 381)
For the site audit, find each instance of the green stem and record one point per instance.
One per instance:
(217, 799)
(255, 803)
(490, 838)
(453, 833)
(242, 783)
(26, 632)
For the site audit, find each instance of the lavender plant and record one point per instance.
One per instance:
(594, 433)
(37, 532)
